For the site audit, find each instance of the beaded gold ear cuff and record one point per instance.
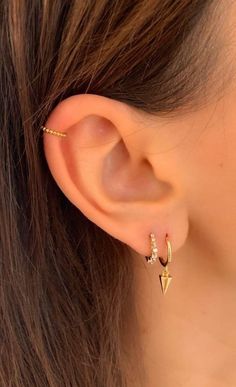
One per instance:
(165, 277)
(54, 132)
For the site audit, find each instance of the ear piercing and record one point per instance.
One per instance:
(165, 277)
(153, 257)
(54, 132)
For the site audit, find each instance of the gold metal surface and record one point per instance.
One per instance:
(54, 132)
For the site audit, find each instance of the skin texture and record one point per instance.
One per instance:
(132, 174)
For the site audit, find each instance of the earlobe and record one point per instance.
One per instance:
(102, 169)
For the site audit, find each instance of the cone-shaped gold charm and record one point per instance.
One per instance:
(165, 279)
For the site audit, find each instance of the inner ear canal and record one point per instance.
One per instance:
(127, 181)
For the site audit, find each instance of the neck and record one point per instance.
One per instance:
(187, 334)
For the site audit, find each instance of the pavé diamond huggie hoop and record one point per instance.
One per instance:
(165, 277)
(154, 255)
(54, 132)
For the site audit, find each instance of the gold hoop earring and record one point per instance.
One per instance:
(154, 255)
(54, 132)
(165, 277)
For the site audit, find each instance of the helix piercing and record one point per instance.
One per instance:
(54, 132)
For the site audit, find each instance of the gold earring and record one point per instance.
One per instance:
(165, 277)
(55, 132)
(153, 257)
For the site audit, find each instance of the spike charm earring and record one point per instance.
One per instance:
(165, 277)
(55, 132)
(152, 259)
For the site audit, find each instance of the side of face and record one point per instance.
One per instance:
(132, 175)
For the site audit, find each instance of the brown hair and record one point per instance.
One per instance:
(66, 286)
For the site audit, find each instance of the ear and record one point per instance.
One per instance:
(104, 168)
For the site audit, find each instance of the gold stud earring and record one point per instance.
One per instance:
(54, 132)
(165, 277)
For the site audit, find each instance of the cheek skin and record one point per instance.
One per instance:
(211, 180)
